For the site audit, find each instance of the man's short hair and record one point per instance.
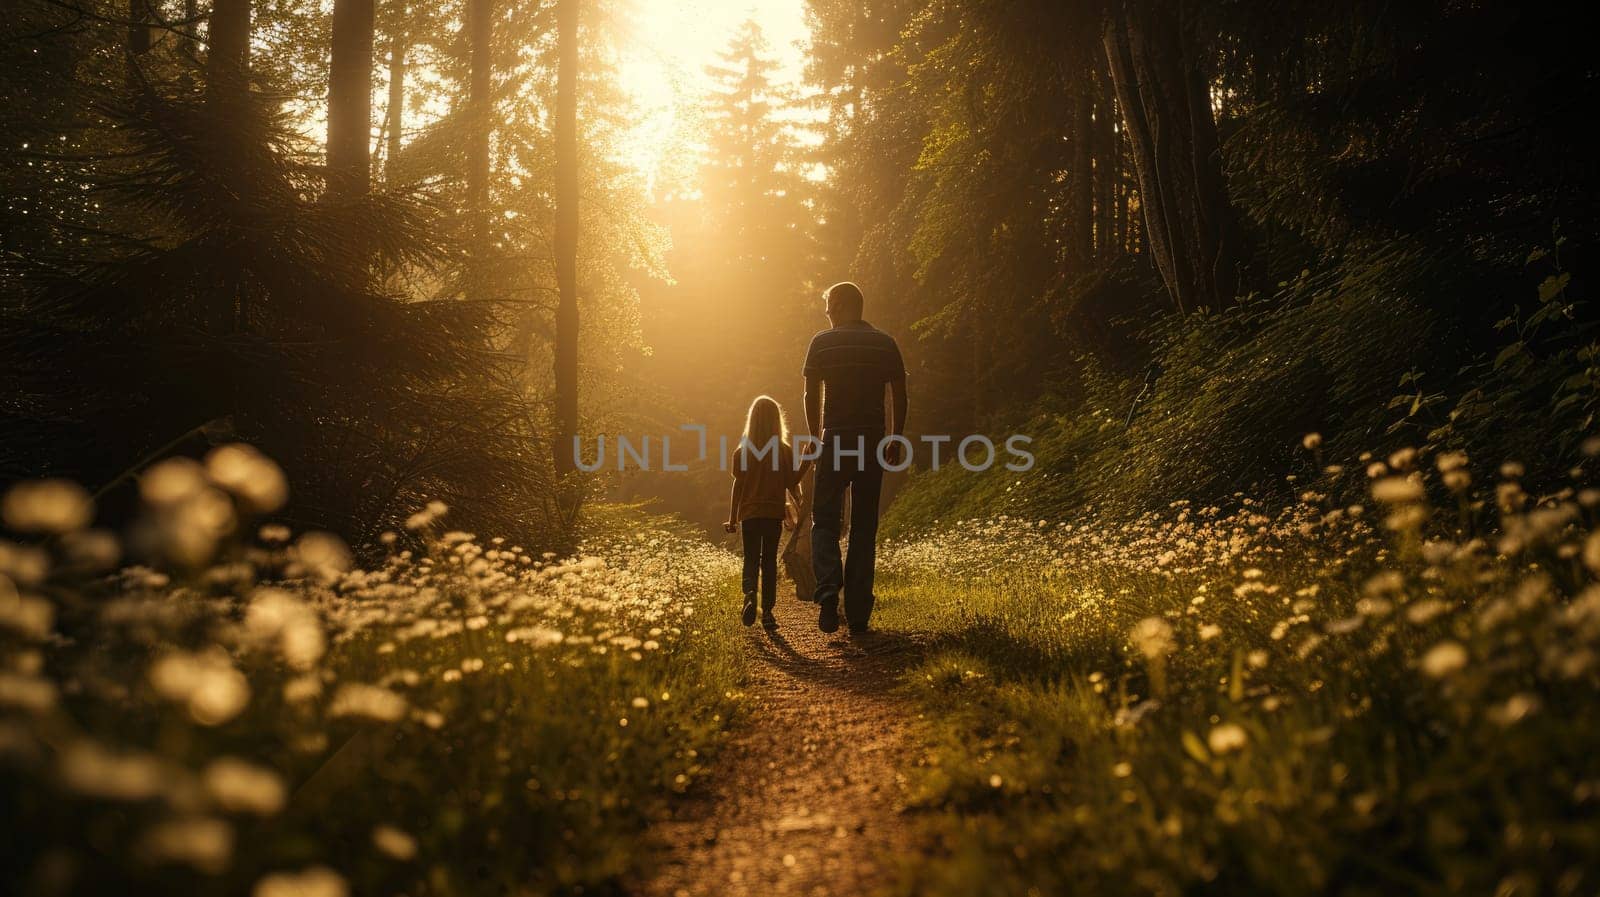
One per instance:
(844, 297)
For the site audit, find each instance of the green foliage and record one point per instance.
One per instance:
(1258, 703)
(230, 300)
(1541, 388)
(453, 720)
(1231, 393)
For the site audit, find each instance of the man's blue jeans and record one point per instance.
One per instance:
(862, 476)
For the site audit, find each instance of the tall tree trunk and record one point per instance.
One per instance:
(350, 99)
(1108, 193)
(140, 17)
(1080, 183)
(228, 56)
(480, 34)
(566, 232)
(395, 114)
(227, 85)
(1164, 96)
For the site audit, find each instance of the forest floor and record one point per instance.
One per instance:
(807, 796)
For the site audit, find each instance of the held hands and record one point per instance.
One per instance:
(895, 451)
(729, 526)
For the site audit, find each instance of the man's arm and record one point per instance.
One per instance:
(813, 405)
(897, 397)
(897, 412)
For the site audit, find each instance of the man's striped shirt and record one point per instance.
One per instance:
(854, 362)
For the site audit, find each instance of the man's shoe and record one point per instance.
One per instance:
(828, 618)
(749, 616)
(768, 621)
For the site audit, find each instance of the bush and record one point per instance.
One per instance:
(1324, 699)
(249, 714)
(1228, 394)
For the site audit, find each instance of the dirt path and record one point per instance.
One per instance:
(808, 799)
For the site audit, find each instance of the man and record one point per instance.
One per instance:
(846, 370)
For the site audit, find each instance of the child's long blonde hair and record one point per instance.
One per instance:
(764, 421)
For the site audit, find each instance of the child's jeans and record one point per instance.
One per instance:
(761, 535)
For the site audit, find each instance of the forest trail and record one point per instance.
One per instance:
(806, 797)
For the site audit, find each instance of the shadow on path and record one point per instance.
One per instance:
(806, 797)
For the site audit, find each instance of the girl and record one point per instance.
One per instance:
(763, 471)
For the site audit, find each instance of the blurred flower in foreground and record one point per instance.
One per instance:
(278, 618)
(427, 516)
(1226, 738)
(1443, 659)
(198, 841)
(1153, 637)
(250, 476)
(394, 842)
(22, 614)
(172, 482)
(371, 701)
(323, 555)
(88, 768)
(206, 682)
(46, 506)
(29, 693)
(315, 881)
(241, 787)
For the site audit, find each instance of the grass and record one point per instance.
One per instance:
(250, 713)
(1318, 700)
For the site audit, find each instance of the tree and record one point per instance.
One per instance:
(350, 98)
(756, 222)
(228, 56)
(140, 18)
(749, 171)
(566, 233)
(395, 109)
(1163, 90)
(480, 120)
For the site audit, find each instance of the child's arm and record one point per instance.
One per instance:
(733, 508)
(791, 513)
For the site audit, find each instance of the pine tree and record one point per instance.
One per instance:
(750, 177)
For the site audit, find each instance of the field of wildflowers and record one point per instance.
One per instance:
(1387, 695)
(208, 705)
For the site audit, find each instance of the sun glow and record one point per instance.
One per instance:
(662, 66)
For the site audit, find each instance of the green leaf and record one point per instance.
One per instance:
(1537, 254)
(1552, 286)
(1507, 354)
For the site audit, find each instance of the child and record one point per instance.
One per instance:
(763, 471)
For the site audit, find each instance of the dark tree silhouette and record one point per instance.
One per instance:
(1163, 90)
(566, 232)
(350, 99)
(479, 123)
(228, 53)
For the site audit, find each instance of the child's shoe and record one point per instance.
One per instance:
(749, 616)
(768, 621)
